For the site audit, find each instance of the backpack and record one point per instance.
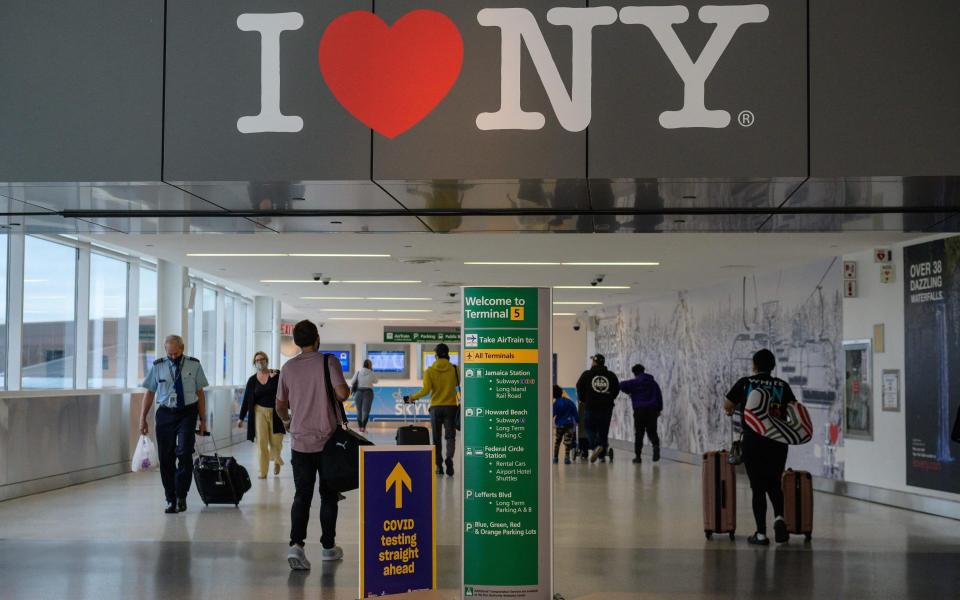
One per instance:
(785, 422)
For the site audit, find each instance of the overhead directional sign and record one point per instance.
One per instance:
(408, 335)
(397, 520)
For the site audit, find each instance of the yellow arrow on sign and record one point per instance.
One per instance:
(397, 479)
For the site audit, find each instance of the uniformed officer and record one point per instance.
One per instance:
(177, 382)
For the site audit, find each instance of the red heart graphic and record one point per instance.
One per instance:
(390, 78)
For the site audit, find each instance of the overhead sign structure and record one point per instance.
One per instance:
(507, 550)
(398, 543)
(412, 335)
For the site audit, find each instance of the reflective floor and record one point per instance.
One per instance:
(622, 532)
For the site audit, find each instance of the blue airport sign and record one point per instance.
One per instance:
(398, 547)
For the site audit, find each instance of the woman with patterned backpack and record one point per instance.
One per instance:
(773, 420)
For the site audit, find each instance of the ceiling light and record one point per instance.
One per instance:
(564, 314)
(578, 303)
(347, 310)
(404, 310)
(564, 264)
(389, 281)
(399, 298)
(332, 298)
(235, 255)
(282, 255)
(591, 287)
(611, 264)
(392, 319)
(308, 255)
(394, 281)
(512, 263)
(350, 319)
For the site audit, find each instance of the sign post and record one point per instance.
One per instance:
(398, 542)
(507, 511)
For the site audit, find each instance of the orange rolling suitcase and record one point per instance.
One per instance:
(798, 502)
(719, 494)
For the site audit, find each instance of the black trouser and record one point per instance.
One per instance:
(598, 426)
(306, 467)
(564, 435)
(443, 419)
(645, 422)
(175, 442)
(764, 460)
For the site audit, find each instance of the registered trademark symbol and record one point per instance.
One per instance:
(746, 118)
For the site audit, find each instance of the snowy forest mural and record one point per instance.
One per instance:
(699, 342)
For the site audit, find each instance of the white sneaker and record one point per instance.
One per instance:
(335, 553)
(297, 559)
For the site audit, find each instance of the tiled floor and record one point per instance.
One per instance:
(622, 532)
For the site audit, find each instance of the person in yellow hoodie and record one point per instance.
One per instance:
(441, 382)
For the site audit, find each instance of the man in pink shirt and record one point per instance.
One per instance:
(302, 389)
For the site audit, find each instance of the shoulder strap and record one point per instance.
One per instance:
(337, 407)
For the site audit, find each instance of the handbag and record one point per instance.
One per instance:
(788, 423)
(340, 459)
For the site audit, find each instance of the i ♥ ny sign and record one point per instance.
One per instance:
(391, 76)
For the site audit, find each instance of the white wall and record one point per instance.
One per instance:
(882, 461)
(571, 349)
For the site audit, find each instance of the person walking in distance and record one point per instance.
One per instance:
(259, 411)
(176, 382)
(647, 400)
(598, 387)
(302, 388)
(441, 382)
(362, 389)
(764, 458)
(565, 424)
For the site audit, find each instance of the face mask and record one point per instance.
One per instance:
(261, 366)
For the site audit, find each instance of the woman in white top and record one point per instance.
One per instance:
(363, 393)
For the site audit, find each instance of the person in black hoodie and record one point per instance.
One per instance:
(598, 387)
(647, 400)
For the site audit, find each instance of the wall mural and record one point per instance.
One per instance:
(699, 342)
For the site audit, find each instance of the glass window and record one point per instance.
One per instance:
(107, 338)
(193, 347)
(229, 348)
(147, 344)
(3, 311)
(208, 339)
(49, 313)
(240, 332)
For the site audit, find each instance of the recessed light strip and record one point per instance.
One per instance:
(364, 298)
(378, 310)
(591, 287)
(280, 255)
(563, 264)
(563, 314)
(386, 281)
(577, 303)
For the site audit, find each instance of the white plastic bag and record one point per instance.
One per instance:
(145, 456)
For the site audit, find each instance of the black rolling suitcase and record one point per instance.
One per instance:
(220, 479)
(412, 435)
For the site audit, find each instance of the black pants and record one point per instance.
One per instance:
(175, 442)
(764, 460)
(645, 422)
(598, 426)
(443, 420)
(306, 468)
(565, 436)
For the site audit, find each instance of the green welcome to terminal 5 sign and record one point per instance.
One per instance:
(506, 426)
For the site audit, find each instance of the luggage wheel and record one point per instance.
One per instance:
(709, 534)
(733, 535)
(807, 537)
